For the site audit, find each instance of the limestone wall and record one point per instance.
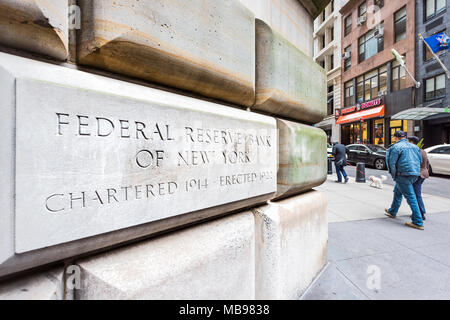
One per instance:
(136, 147)
(289, 18)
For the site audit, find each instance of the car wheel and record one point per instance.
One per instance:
(430, 171)
(380, 164)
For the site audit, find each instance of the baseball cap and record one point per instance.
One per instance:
(414, 139)
(400, 134)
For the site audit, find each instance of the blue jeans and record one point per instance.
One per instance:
(418, 191)
(340, 169)
(404, 186)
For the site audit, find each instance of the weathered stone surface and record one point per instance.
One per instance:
(39, 26)
(214, 260)
(288, 82)
(291, 245)
(207, 47)
(88, 156)
(302, 157)
(47, 285)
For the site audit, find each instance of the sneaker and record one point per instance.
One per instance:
(415, 226)
(346, 180)
(337, 181)
(389, 214)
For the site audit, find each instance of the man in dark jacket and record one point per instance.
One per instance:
(340, 161)
(403, 160)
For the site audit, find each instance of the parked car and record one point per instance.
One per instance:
(372, 155)
(439, 159)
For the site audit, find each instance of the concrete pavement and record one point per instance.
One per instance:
(375, 257)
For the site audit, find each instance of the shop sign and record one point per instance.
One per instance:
(337, 113)
(362, 106)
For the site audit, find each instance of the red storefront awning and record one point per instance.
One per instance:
(362, 115)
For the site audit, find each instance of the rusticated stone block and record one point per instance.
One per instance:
(39, 26)
(88, 162)
(302, 157)
(288, 82)
(214, 260)
(291, 245)
(48, 285)
(207, 47)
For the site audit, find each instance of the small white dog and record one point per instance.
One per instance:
(377, 182)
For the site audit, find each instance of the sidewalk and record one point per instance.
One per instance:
(375, 257)
(359, 201)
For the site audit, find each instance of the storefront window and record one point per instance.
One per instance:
(363, 139)
(396, 125)
(378, 131)
(358, 133)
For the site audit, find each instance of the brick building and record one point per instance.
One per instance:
(374, 86)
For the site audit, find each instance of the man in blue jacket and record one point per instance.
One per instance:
(403, 160)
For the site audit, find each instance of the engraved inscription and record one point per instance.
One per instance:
(89, 162)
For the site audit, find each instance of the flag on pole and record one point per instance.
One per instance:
(438, 42)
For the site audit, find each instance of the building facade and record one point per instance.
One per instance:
(327, 52)
(374, 85)
(431, 18)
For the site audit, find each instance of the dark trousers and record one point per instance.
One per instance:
(339, 170)
(418, 191)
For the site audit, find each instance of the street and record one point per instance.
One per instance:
(371, 256)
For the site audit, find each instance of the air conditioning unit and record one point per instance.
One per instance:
(382, 93)
(379, 32)
(346, 55)
(361, 20)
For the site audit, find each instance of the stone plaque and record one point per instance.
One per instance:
(90, 162)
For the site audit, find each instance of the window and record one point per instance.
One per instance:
(378, 131)
(348, 25)
(332, 62)
(435, 87)
(370, 44)
(370, 84)
(348, 61)
(332, 6)
(441, 150)
(323, 16)
(330, 101)
(322, 63)
(427, 55)
(400, 24)
(379, 3)
(331, 34)
(382, 79)
(396, 125)
(362, 9)
(349, 93)
(398, 76)
(434, 7)
(322, 41)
